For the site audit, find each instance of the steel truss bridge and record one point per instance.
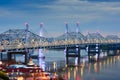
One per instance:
(22, 39)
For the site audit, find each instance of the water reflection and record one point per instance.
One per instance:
(94, 70)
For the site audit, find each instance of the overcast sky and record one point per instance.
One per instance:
(93, 15)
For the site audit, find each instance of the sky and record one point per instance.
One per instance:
(93, 16)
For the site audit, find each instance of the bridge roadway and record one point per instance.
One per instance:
(102, 46)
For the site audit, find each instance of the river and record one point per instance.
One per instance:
(105, 69)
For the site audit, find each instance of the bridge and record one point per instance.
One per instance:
(17, 40)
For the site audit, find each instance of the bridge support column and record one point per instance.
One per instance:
(77, 59)
(73, 52)
(98, 58)
(88, 51)
(104, 53)
(111, 52)
(65, 57)
(93, 51)
(97, 51)
(41, 58)
(26, 57)
(118, 51)
(1, 56)
(108, 52)
(115, 52)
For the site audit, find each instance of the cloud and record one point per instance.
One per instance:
(103, 0)
(74, 9)
(64, 8)
(85, 11)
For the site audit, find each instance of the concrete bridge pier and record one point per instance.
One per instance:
(118, 51)
(1, 56)
(93, 52)
(112, 52)
(65, 57)
(104, 52)
(77, 59)
(115, 52)
(109, 52)
(73, 52)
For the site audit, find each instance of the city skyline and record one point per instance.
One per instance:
(101, 15)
